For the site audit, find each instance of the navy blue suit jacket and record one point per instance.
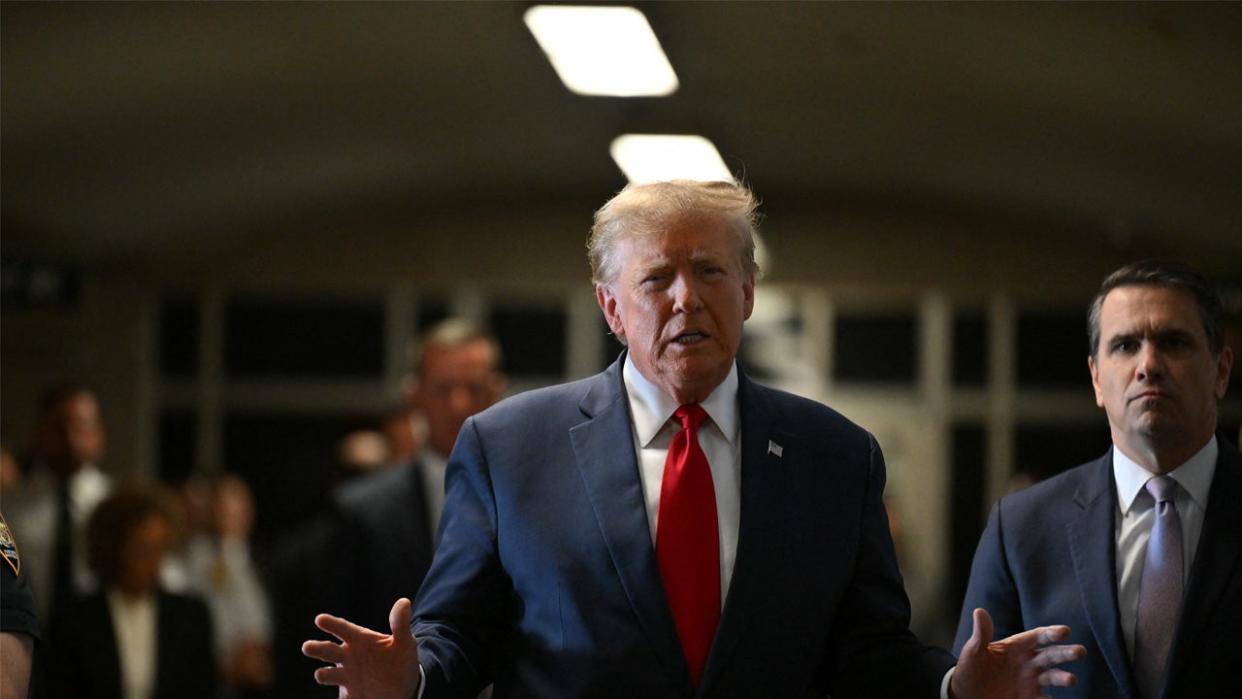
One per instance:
(1047, 557)
(545, 578)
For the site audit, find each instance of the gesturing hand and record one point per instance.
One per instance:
(1017, 667)
(367, 664)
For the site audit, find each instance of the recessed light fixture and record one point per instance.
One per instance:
(656, 157)
(606, 51)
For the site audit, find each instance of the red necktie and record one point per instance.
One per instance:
(687, 540)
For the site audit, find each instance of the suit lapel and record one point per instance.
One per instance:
(105, 652)
(604, 449)
(164, 641)
(763, 477)
(1220, 545)
(1092, 545)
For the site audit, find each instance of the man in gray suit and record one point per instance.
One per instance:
(1139, 551)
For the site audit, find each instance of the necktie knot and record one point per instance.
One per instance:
(691, 416)
(1162, 488)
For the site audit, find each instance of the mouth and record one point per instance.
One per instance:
(690, 338)
(1147, 396)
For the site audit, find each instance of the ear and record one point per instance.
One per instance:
(748, 296)
(608, 304)
(1095, 381)
(1224, 367)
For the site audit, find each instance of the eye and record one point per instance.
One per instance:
(1175, 342)
(1125, 346)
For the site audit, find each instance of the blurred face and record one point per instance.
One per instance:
(679, 302)
(74, 434)
(456, 382)
(141, 555)
(1155, 376)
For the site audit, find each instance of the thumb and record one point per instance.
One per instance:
(981, 635)
(399, 620)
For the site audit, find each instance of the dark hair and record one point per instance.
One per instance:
(113, 523)
(1173, 275)
(59, 394)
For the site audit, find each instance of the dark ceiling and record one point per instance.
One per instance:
(151, 129)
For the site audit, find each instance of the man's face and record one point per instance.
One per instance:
(679, 301)
(74, 434)
(142, 554)
(1154, 373)
(456, 382)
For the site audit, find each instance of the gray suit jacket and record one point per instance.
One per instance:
(1047, 557)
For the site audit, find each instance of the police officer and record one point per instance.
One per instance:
(19, 627)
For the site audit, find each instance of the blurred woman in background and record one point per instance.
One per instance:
(131, 639)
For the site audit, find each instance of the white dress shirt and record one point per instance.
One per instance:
(720, 438)
(32, 509)
(1135, 516)
(133, 624)
(432, 467)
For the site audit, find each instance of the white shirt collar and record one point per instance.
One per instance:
(1194, 476)
(652, 407)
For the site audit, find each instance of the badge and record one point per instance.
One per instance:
(8, 547)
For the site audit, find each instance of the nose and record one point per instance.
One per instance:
(460, 400)
(686, 297)
(1150, 364)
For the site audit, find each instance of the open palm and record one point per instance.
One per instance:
(1018, 667)
(367, 664)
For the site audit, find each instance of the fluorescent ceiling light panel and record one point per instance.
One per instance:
(609, 51)
(657, 157)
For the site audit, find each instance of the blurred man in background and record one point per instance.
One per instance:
(385, 523)
(52, 503)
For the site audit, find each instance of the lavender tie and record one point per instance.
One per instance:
(1160, 590)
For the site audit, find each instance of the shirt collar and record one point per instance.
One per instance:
(652, 407)
(1194, 476)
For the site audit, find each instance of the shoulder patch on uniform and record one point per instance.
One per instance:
(8, 547)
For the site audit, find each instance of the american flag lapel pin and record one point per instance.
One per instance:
(774, 448)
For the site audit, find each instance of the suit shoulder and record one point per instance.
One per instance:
(1037, 499)
(188, 604)
(366, 491)
(557, 406)
(813, 416)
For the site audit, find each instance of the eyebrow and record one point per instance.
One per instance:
(1159, 335)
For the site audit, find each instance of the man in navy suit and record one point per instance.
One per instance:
(1139, 551)
(669, 528)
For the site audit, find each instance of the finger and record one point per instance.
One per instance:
(1057, 678)
(1051, 634)
(330, 675)
(326, 651)
(981, 634)
(1055, 655)
(341, 628)
(1033, 638)
(399, 620)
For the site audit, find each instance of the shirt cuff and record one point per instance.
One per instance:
(944, 684)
